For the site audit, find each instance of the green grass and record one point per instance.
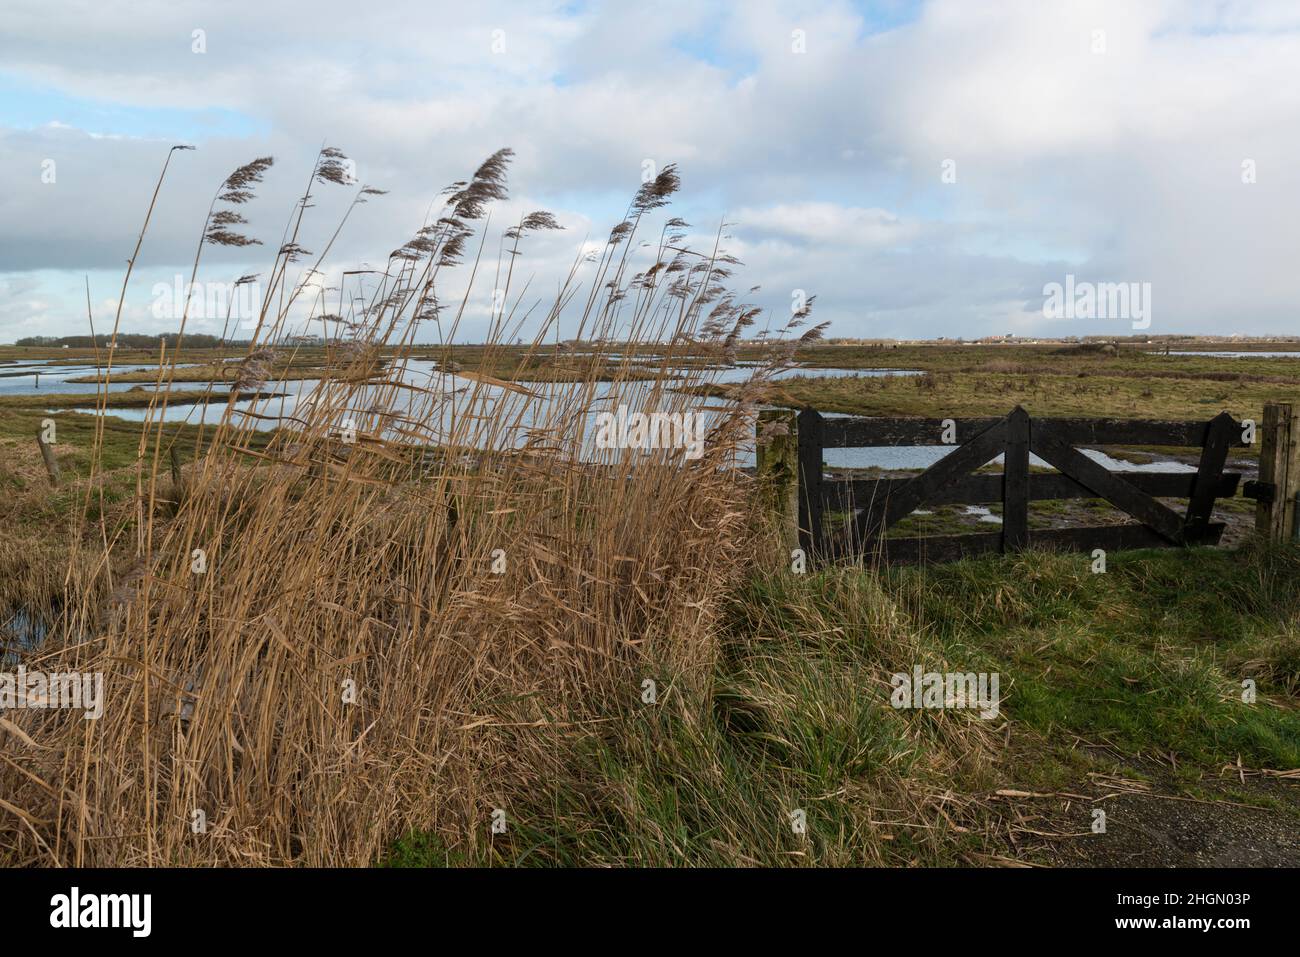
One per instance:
(1145, 659)
(37, 520)
(1150, 654)
(964, 381)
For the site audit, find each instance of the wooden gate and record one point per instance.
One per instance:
(871, 507)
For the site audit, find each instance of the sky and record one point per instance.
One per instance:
(925, 169)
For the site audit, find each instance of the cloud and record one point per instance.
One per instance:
(1106, 139)
(828, 223)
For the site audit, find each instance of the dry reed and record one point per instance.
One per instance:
(409, 567)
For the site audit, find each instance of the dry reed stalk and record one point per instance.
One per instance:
(333, 676)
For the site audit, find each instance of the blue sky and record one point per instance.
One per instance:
(27, 105)
(820, 129)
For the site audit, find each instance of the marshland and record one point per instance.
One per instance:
(382, 598)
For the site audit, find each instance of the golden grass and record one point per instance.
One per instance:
(404, 570)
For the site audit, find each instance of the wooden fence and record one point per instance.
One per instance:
(792, 448)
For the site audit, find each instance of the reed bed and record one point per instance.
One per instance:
(381, 619)
(428, 619)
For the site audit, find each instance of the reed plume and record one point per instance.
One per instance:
(411, 587)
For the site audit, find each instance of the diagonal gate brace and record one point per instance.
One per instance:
(986, 446)
(1069, 461)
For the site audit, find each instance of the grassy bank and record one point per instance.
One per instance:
(1133, 676)
(39, 528)
(982, 380)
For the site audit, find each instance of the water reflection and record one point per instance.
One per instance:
(36, 376)
(550, 397)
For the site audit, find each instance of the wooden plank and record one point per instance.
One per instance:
(949, 548)
(1055, 451)
(811, 497)
(985, 488)
(859, 432)
(1015, 482)
(948, 470)
(1213, 458)
(1272, 467)
(1089, 432)
(48, 457)
(1279, 472)
(776, 446)
(1290, 492)
(1262, 492)
(932, 548)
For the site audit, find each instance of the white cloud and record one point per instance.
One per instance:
(828, 223)
(828, 161)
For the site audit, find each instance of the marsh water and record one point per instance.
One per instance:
(21, 630)
(37, 376)
(21, 379)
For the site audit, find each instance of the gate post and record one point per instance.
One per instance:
(810, 484)
(1279, 466)
(776, 453)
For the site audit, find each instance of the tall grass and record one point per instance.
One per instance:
(428, 601)
(410, 588)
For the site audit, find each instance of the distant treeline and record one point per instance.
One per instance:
(128, 341)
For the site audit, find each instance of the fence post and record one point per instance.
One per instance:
(1279, 466)
(777, 459)
(178, 479)
(48, 456)
(810, 484)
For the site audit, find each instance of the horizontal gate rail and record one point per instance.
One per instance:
(859, 433)
(951, 548)
(844, 493)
